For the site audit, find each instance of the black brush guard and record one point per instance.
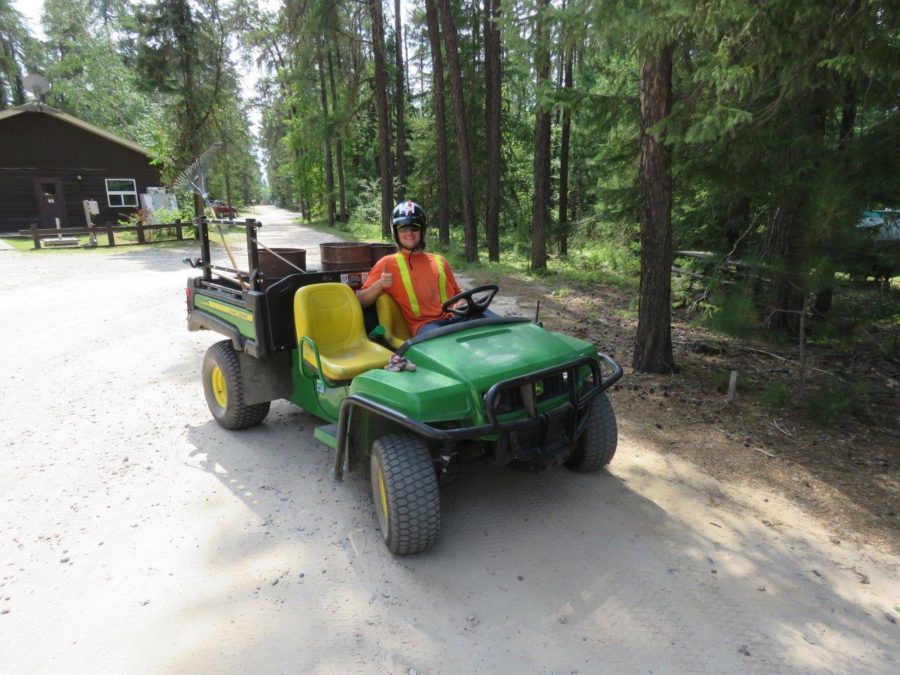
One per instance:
(521, 438)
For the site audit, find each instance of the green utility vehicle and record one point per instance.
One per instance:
(500, 389)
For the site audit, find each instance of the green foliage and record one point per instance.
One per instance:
(777, 395)
(182, 60)
(829, 405)
(90, 75)
(19, 53)
(170, 216)
(19, 243)
(826, 405)
(132, 218)
(593, 260)
(368, 203)
(732, 313)
(861, 320)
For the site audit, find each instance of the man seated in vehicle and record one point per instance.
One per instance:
(419, 282)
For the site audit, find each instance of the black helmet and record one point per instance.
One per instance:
(408, 213)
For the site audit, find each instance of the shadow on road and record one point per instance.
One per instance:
(582, 560)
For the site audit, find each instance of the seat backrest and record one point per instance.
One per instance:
(330, 314)
(396, 332)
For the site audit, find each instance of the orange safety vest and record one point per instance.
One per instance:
(408, 285)
(417, 310)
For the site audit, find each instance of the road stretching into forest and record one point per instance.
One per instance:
(138, 536)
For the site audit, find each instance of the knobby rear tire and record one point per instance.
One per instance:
(224, 389)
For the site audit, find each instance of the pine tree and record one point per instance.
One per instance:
(451, 44)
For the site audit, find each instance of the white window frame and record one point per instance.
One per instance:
(121, 195)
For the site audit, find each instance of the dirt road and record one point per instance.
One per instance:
(138, 536)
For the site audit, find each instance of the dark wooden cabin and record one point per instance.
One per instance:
(50, 162)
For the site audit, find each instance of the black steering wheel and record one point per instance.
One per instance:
(474, 306)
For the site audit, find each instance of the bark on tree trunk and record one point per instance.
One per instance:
(788, 279)
(492, 93)
(381, 105)
(440, 120)
(653, 342)
(462, 137)
(565, 133)
(825, 296)
(399, 91)
(540, 202)
(329, 163)
(338, 144)
(791, 270)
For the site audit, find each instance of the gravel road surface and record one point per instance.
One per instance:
(138, 536)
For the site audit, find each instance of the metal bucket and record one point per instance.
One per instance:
(273, 266)
(345, 255)
(381, 250)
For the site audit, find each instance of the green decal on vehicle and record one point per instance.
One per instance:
(237, 316)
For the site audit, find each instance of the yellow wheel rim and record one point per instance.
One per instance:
(383, 493)
(220, 390)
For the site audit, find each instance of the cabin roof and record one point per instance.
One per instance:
(47, 110)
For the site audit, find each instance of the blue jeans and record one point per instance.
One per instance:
(440, 323)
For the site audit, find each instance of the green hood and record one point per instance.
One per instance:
(454, 371)
(484, 355)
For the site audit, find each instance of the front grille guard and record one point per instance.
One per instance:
(576, 401)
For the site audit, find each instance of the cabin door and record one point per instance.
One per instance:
(51, 202)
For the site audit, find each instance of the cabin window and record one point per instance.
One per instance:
(121, 192)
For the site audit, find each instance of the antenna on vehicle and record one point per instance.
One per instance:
(37, 85)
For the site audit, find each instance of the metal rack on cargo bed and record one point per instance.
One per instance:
(254, 308)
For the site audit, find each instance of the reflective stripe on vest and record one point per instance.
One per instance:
(408, 286)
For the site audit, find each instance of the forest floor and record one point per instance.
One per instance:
(846, 474)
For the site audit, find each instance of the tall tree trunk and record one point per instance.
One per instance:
(381, 105)
(787, 282)
(565, 134)
(13, 76)
(329, 163)
(399, 91)
(825, 296)
(338, 144)
(653, 342)
(228, 199)
(462, 136)
(790, 276)
(492, 124)
(440, 120)
(540, 202)
(190, 139)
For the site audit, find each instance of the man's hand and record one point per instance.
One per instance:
(370, 294)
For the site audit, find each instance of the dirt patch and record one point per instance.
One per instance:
(845, 474)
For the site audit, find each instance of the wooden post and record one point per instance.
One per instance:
(140, 232)
(35, 236)
(732, 385)
(111, 238)
(178, 233)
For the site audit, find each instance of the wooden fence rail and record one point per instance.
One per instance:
(109, 230)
